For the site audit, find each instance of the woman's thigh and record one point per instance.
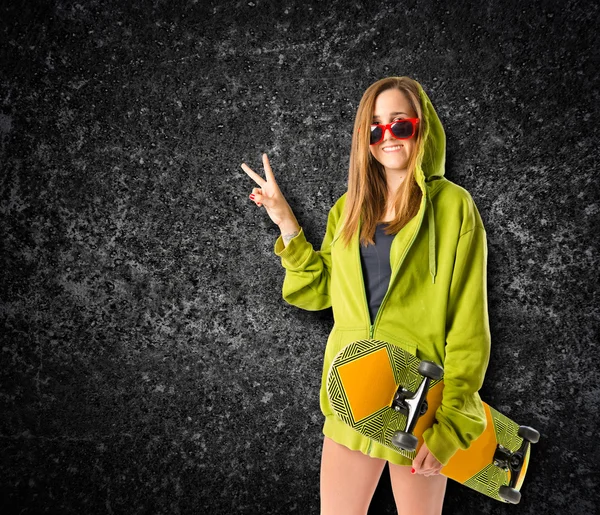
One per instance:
(416, 494)
(348, 479)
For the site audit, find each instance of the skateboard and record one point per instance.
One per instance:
(391, 396)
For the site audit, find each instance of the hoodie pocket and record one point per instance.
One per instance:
(339, 338)
(407, 345)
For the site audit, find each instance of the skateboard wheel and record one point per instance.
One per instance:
(431, 370)
(529, 434)
(405, 441)
(509, 494)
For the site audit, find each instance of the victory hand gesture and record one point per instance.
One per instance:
(269, 195)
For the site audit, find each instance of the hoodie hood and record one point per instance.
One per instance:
(431, 164)
(431, 160)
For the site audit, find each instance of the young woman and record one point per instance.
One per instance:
(403, 260)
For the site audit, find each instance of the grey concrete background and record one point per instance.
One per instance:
(148, 362)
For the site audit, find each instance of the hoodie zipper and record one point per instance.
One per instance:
(366, 303)
(392, 279)
(364, 290)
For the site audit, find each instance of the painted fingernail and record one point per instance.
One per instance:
(252, 196)
(412, 471)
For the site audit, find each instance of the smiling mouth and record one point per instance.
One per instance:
(395, 148)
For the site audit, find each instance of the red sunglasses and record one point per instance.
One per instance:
(399, 129)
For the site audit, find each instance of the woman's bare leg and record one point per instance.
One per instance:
(348, 479)
(416, 494)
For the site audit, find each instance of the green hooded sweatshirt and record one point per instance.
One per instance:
(435, 305)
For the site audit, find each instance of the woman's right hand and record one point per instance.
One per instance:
(270, 196)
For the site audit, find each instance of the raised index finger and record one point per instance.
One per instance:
(268, 170)
(257, 178)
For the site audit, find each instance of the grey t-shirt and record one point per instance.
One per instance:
(375, 261)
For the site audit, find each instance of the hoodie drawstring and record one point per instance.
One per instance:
(431, 230)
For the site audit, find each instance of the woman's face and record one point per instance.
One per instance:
(393, 153)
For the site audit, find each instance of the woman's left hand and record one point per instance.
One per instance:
(426, 463)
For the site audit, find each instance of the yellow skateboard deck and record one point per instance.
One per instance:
(376, 388)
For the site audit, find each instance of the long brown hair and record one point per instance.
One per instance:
(367, 186)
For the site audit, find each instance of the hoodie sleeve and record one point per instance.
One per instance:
(306, 282)
(461, 416)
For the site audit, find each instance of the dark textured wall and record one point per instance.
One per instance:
(148, 362)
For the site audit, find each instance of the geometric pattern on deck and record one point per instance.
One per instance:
(381, 425)
(506, 431)
(489, 480)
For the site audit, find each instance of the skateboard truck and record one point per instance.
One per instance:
(414, 404)
(410, 403)
(513, 462)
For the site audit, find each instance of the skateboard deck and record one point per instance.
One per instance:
(376, 388)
